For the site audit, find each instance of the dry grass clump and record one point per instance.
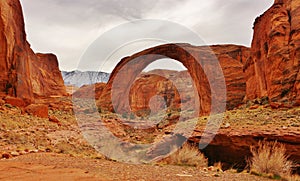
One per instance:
(270, 158)
(293, 178)
(188, 155)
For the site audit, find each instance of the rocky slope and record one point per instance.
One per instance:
(24, 74)
(78, 78)
(273, 69)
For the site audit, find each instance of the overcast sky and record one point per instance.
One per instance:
(68, 27)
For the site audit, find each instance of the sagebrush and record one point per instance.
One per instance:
(188, 155)
(270, 158)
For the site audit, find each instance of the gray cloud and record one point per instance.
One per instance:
(68, 27)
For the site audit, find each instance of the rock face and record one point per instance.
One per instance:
(46, 77)
(273, 68)
(15, 101)
(24, 74)
(233, 146)
(231, 59)
(153, 92)
(39, 110)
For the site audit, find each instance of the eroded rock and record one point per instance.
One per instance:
(24, 74)
(230, 58)
(39, 110)
(273, 69)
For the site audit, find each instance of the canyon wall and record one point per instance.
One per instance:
(23, 73)
(269, 69)
(273, 69)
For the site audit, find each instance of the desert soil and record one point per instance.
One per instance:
(51, 166)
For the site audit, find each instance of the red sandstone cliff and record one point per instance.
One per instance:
(23, 73)
(273, 68)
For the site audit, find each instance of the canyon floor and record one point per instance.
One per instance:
(34, 148)
(49, 166)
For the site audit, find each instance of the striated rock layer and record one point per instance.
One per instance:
(233, 146)
(273, 69)
(24, 74)
(230, 57)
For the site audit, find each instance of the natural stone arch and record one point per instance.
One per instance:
(190, 56)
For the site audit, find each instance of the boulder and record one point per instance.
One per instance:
(18, 102)
(39, 110)
(54, 119)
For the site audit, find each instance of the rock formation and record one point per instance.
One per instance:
(231, 59)
(89, 91)
(24, 74)
(155, 92)
(233, 146)
(273, 69)
(46, 77)
(271, 66)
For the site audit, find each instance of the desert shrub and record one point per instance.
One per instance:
(132, 116)
(293, 178)
(143, 113)
(284, 92)
(270, 158)
(188, 155)
(124, 115)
